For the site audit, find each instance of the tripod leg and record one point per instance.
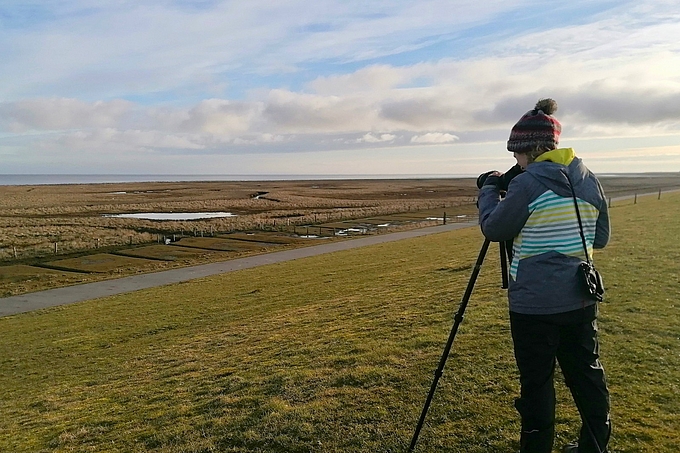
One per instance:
(504, 264)
(508, 249)
(584, 419)
(447, 349)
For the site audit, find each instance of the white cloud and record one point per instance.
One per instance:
(369, 79)
(126, 141)
(290, 112)
(434, 137)
(220, 117)
(61, 113)
(375, 138)
(271, 138)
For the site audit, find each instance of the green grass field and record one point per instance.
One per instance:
(335, 354)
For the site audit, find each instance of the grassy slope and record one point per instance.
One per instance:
(335, 354)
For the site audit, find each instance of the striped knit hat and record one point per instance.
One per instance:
(536, 128)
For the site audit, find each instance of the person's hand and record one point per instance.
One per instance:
(483, 179)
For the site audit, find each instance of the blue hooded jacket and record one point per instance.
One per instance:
(538, 214)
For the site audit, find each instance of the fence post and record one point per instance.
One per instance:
(14, 249)
(635, 199)
(97, 244)
(56, 248)
(610, 202)
(444, 218)
(659, 198)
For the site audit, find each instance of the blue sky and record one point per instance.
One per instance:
(332, 87)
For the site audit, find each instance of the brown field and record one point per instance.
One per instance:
(268, 215)
(102, 263)
(20, 278)
(221, 244)
(34, 218)
(261, 237)
(164, 252)
(22, 272)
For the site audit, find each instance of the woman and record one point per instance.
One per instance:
(551, 315)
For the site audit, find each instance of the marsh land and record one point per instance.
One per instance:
(77, 216)
(55, 235)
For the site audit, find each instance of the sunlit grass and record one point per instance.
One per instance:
(335, 354)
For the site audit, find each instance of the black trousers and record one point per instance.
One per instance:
(571, 339)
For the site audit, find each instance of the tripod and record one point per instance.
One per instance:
(505, 250)
(505, 255)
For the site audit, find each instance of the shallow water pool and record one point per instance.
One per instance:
(172, 215)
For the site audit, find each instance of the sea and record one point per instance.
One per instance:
(23, 180)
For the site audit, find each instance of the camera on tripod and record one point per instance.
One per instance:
(502, 181)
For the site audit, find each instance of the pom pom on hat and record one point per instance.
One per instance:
(547, 106)
(536, 128)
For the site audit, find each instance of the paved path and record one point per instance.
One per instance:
(71, 294)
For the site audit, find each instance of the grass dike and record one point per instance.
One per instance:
(335, 353)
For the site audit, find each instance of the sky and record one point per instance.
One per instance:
(331, 87)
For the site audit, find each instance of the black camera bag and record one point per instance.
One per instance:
(592, 281)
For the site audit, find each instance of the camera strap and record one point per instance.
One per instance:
(578, 216)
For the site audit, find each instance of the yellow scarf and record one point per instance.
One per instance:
(562, 156)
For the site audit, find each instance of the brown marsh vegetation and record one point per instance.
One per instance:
(33, 218)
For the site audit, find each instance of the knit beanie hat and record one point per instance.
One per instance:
(536, 127)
